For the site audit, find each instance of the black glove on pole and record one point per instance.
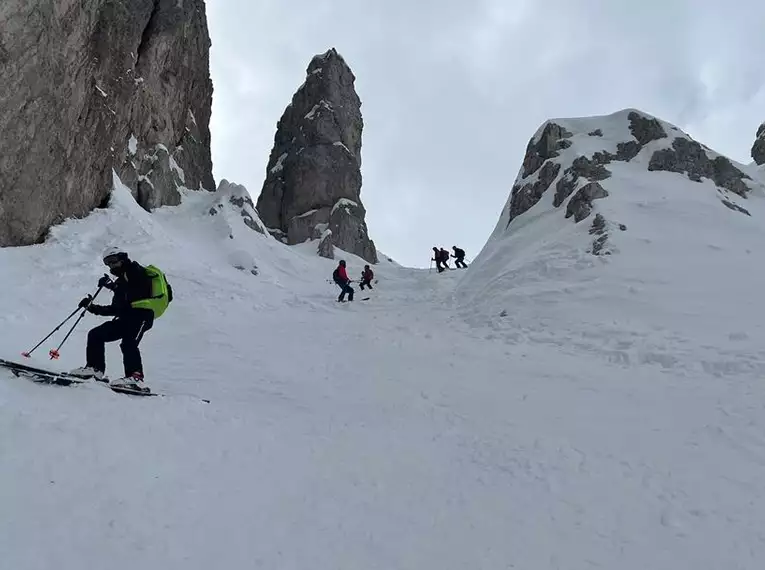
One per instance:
(54, 354)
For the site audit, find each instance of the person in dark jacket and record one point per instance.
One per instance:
(340, 277)
(128, 325)
(439, 259)
(445, 258)
(366, 278)
(459, 257)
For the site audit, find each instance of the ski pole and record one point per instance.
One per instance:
(28, 353)
(54, 352)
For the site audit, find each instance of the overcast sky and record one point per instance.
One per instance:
(452, 90)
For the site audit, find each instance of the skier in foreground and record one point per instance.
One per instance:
(340, 277)
(140, 295)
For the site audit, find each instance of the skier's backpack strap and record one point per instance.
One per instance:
(161, 293)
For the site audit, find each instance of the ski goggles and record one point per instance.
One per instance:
(113, 260)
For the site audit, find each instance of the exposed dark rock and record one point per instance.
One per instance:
(565, 187)
(688, 157)
(626, 151)
(551, 141)
(735, 207)
(93, 86)
(758, 148)
(580, 206)
(599, 228)
(598, 225)
(592, 169)
(727, 176)
(644, 129)
(596, 133)
(524, 197)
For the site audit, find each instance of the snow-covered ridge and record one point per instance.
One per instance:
(624, 236)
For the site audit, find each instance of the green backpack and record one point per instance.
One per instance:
(161, 293)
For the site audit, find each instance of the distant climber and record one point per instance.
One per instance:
(445, 258)
(438, 257)
(340, 277)
(459, 257)
(366, 278)
(141, 294)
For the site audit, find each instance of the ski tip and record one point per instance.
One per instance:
(26, 355)
(54, 354)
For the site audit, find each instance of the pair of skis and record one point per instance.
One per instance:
(42, 376)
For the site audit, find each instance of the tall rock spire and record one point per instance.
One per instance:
(313, 178)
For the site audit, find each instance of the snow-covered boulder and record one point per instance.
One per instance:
(234, 204)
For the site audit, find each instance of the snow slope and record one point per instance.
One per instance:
(378, 435)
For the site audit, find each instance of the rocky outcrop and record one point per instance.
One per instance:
(313, 178)
(94, 86)
(645, 129)
(580, 205)
(689, 157)
(758, 148)
(525, 196)
(548, 145)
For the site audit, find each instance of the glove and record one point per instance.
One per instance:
(105, 281)
(85, 303)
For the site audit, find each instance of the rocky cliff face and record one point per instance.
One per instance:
(93, 86)
(758, 148)
(313, 178)
(571, 163)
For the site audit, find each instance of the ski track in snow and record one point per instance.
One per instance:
(392, 433)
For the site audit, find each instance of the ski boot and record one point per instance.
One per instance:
(134, 383)
(87, 372)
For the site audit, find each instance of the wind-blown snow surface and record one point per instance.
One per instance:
(377, 435)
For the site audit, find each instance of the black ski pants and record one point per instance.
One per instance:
(128, 328)
(345, 289)
(460, 262)
(367, 283)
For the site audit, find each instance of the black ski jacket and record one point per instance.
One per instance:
(133, 285)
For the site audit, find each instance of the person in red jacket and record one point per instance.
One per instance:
(340, 277)
(366, 278)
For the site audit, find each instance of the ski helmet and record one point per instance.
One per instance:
(114, 252)
(342, 262)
